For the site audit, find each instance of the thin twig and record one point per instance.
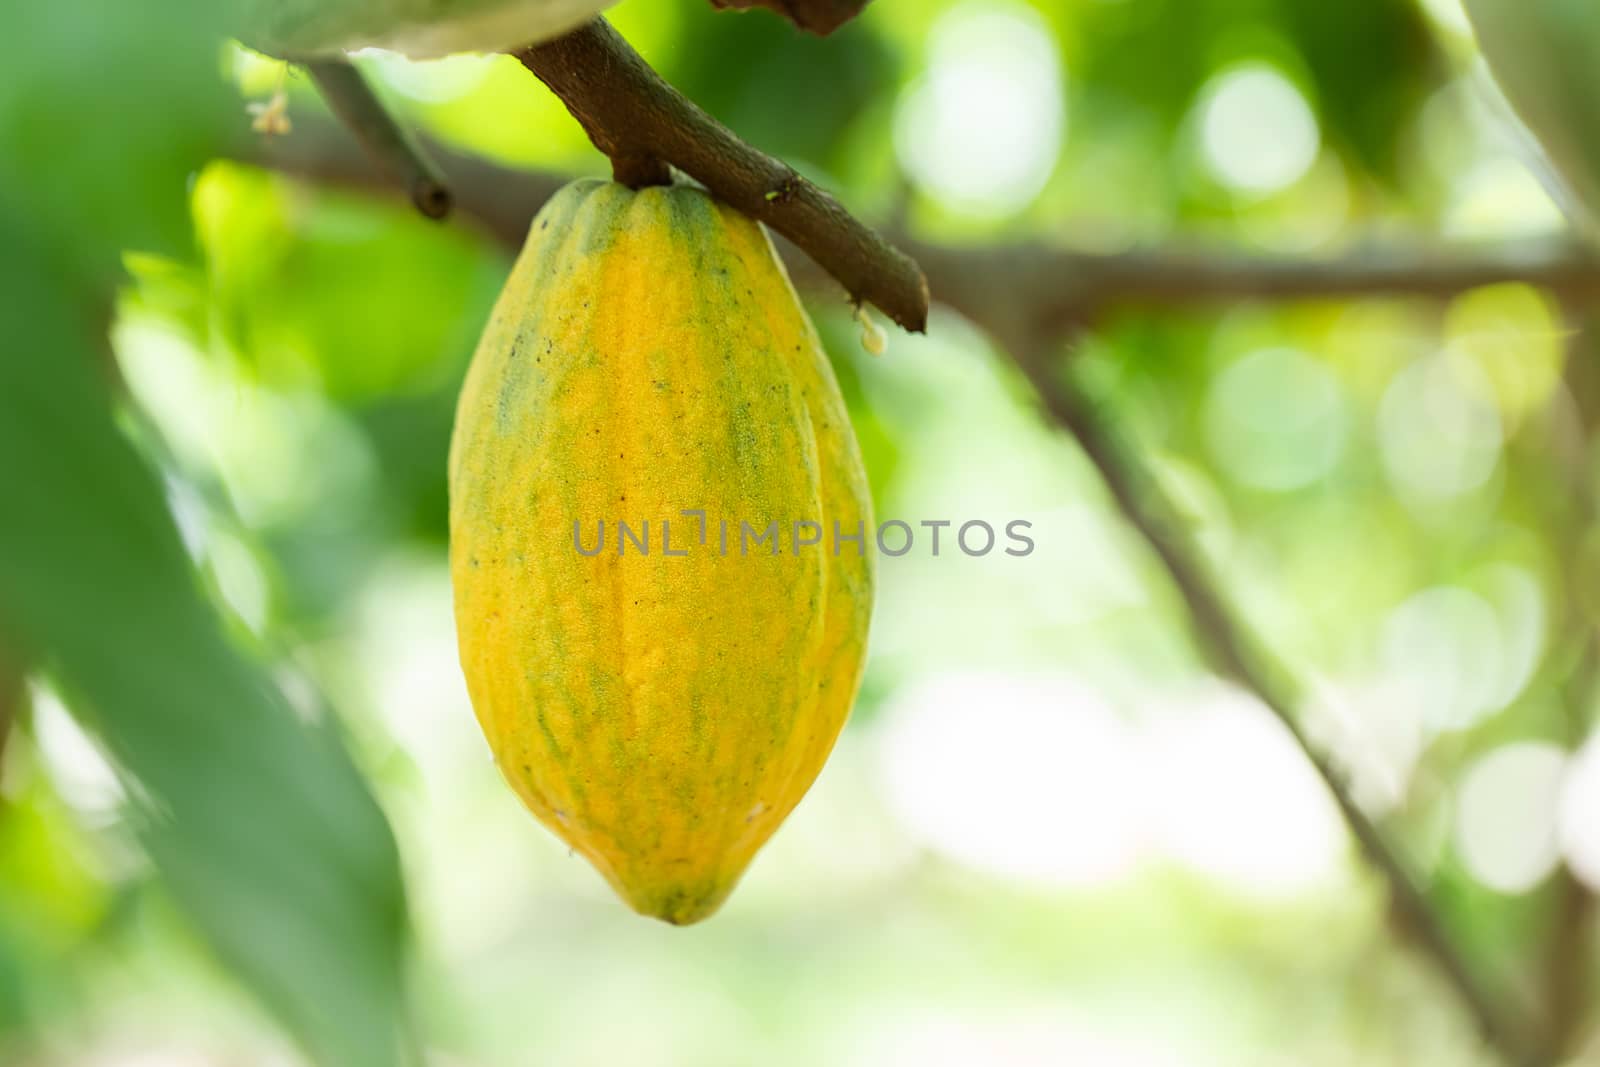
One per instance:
(639, 121)
(350, 96)
(1235, 652)
(1023, 291)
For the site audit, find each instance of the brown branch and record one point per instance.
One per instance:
(1022, 292)
(1569, 939)
(1026, 291)
(1236, 653)
(350, 96)
(819, 16)
(1567, 965)
(641, 122)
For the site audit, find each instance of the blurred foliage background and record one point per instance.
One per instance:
(1049, 834)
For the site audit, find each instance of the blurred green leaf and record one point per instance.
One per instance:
(259, 823)
(1372, 64)
(422, 28)
(105, 110)
(372, 300)
(1366, 65)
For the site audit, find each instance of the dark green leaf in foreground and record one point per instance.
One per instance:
(258, 822)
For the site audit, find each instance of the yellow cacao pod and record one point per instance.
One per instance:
(661, 713)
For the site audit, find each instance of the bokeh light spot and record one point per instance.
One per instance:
(1275, 419)
(1257, 132)
(1506, 815)
(1439, 428)
(1512, 333)
(1579, 825)
(982, 127)
(1443, 646)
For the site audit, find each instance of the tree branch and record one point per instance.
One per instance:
(819, 16)
(350, 97)
(1022, 292)
(1568, 943)
(1027, 291)
(1235, 652)
(642, 123)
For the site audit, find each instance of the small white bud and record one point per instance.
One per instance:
(873, 337)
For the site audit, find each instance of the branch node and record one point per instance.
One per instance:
(431, 198)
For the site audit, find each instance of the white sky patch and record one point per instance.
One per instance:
(1031, 778)
(1039, 779)
(1234, 798)
(1026, 1037)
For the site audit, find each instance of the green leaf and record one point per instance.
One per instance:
(374, 301)
(260, 825)
(1365, 67)
(422, 29)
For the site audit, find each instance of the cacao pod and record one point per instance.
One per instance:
(662, 714)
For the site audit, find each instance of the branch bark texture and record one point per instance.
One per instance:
(642, 123)
(1236, 653)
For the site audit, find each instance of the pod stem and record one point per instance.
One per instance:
(642, 123)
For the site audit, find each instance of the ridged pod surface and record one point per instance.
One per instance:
(662, 714)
